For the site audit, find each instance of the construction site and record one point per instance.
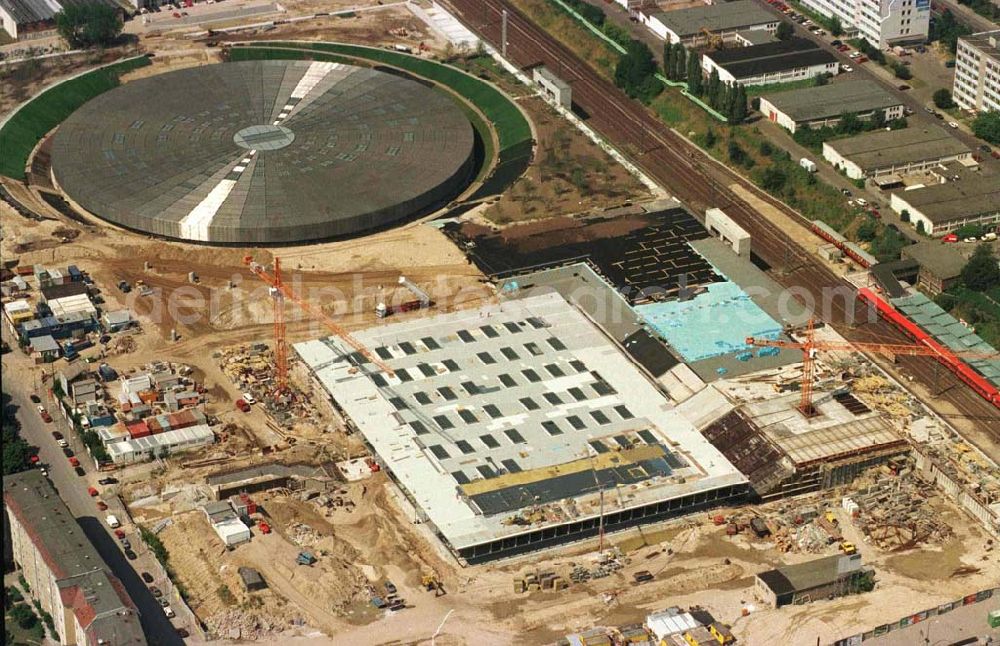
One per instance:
(574, 409)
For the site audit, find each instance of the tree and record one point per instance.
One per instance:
(820, 80)
(23, 616)
(850, 123)
(16, 451)
(868, 230)
(773, 179)
(634, 72)
(88, 25)
(785, 30)
(736, 153)
(713, 88)
(680, 62)
(987, 126)
(710, 138)
(738, 104)
(942, 99)
(836, 29)
(904, 215)
(920, 227)
(981, 272)
(694, 79)
(668, 59)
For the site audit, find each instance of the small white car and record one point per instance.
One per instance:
(169, 612)
(63, 443)
(952, 124)
(847, 68)
(248, 398)
(862, 201)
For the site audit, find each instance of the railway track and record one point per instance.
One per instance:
(699, 182)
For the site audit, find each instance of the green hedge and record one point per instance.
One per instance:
(24, 130)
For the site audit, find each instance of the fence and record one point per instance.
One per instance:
(918, 617)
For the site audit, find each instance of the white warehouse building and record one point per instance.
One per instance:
(784, 61)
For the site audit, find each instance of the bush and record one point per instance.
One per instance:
(981, 272)
(785, 30)
(942, 99)
(904, 215)
(89, 25)
(634, 72)
(22, 615)
(987, 126)
(156, 546)
(901, 71)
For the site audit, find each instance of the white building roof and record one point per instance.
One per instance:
(668, 622)
(16, 307)
(70, 304)
(232, 530)
(190, 436)
(429, 429)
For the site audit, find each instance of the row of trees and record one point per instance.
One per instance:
(635, 72)
(16, 452)
(728, 98)
(89, 25)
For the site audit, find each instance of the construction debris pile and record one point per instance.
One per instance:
(885, 398)
(236, 624)
(792, 528)
(610, 561)
(251, 368)
(894, 514)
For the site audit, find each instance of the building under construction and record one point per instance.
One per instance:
(785, 454)
(521, 426)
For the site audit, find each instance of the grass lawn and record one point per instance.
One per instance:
(22, 133)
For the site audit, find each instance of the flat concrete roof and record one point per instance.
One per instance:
(515, 406)
(880, 149)
(988, 42)
(936, 257)
(718, 17)
(833, 100)
(965, 198)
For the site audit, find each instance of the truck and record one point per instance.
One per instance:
(808, 164)
(112, 521)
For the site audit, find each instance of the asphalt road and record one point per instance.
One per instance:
(72, 488)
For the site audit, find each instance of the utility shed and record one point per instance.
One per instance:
(557, 89)
(722, 226)
(251, 578)
(834, 576)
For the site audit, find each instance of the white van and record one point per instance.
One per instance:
(113, 522)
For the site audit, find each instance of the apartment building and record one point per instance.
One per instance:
(977, 72)
(65, 573)
(883, 23)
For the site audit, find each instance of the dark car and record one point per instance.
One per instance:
(836, 43)
(164, 603)
(126, 544)
(642, 576)
(130, 555)
(390, 588)
(986, 149)
(181, 632)
(156, 591)
(57, 435)
(68, 452)
(108, 481)
(147, 577)
(79, 471)
(35, 399)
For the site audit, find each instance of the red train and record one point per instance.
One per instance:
(944, 355)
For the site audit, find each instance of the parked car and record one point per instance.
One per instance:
(248, 398)
(108, 481)
(242, 405)
(146, 576)
(120, 533)
(56, 435)
(35, 399)
(862, 201)
(74, 462)
(130, 555)
(126, 543)
(164, 602)
(156, 591)
(80, 471)
(34, 459)
(904, 86)
(63, 444)
(112, 522)
(102, 506)
(68, 452)
(182, 633)
(836, 43)
(953, 125)
(44, 414)
(92, 491)
(951, 237)
(846, 68)
(168, 612)
(846, 191)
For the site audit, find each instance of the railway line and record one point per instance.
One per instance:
(699, 182)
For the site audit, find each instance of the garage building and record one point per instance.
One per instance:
(816, 107)
(896, 151)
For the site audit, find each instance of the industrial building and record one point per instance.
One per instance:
(783, 61)
(701, 25)
(895, 151)
(941, 208)
(977, 72)
(816, 107)
(783, 454)
(940, 266)
(30, 19)
(821, 578)
(883, 23)
(65, 574)
(306, 153)
(724, 228)
(505, 425)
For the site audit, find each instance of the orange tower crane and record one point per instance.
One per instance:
(279, 292)
(811, 346)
